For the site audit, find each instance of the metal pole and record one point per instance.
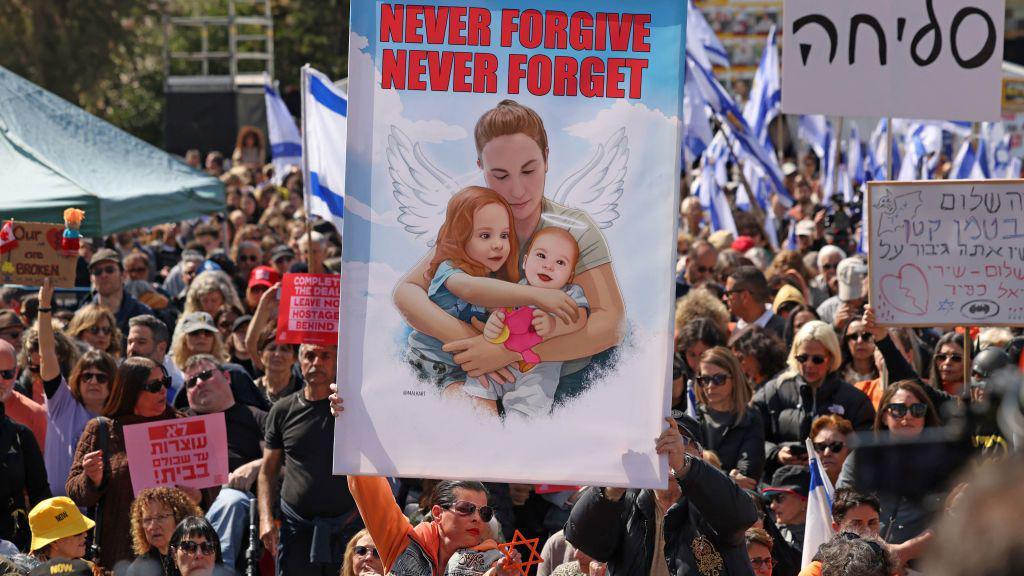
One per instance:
(888, 148)
(968, 348)
(306, 180)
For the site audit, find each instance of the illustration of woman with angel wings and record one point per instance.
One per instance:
(512, 150)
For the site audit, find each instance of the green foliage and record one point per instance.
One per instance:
(313, 32)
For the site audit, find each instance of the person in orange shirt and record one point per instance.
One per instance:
(20, 408)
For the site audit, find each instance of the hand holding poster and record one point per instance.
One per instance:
(947, 253)
(190, 452)
(885, 58)
(513, 169)
(308, 311)
(31, 251)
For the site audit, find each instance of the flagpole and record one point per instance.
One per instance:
(835, 156)
(888, 148)
(754, 206)
(305, 176)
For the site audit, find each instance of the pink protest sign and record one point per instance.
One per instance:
(308, 312)
(190, 452)
(552, 488)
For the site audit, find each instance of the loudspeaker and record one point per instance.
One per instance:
(210, 120)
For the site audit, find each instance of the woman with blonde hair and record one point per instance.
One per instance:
(196, 333)
(811, 387)
(97, 327)
(209, 291)
(154, 515)
(731, 429)
(361, 556)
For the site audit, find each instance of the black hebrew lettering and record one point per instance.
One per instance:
(871, 21)
(986, 51)
(931, 27)
(827, 26)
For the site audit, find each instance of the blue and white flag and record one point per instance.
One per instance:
(963, 163)
(1001, 157)
(712, 198)
(701, 40)
(818, 526)
(855, 155)
(828, 170)
(285, 141)
(1013, 168)
(697, 124)
(862, 239)
(815, 130)
(324, 129)
(765, 101)
(877, 159)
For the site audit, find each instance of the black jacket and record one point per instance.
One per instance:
(788, 405)
(742, 444)
(713, 511)
(22, 473)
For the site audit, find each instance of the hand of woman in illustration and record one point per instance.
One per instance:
(479, 357)
(543, 323)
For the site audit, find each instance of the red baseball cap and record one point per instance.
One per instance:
(742, 244)
(263, 276)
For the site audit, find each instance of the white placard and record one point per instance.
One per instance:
(947, 252)
(929, 59)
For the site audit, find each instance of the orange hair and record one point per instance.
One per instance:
(563, 233)
(507, 118)
(458, 228)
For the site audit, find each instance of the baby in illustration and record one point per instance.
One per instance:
(474, 270)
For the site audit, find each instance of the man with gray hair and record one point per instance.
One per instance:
(825, 284)
(208, 386)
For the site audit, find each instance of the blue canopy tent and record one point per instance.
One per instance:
(54, 155)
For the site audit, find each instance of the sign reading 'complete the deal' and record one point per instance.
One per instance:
(191, 452)
(947, 252)
(885, 58)
(309, 309)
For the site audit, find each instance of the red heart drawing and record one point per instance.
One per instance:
(906, 291)
(53, 237)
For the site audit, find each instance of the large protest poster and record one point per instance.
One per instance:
(191, 452)
(884, 58)
(947, 253)
(581, 166)
(309, 309)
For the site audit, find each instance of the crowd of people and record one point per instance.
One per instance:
(774, 348)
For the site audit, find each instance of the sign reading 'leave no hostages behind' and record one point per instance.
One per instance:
(929, 59)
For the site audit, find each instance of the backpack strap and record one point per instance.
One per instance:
(102, 439)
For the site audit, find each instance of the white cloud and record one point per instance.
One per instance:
(354, 206)
(642, 124)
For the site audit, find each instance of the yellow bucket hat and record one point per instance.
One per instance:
(56, 518)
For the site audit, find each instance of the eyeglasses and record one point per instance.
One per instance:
(828, 266)
(191, 547)
(816, 358)
(951, 357)
(715, 380)
(11, 334)
(101, 270)
(156, 519)
(860, 336)
(835, 447)
(204, 375)
(366, 551)
(154, 386)
(98, 377)
(900, 410)
(9, 374)
(729, 293)
(94, 330)
(33, 368)
(463, 508)
(759, 563)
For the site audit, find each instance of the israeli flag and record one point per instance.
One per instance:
(964, 162)
(285, 141)
(855, 155)
(324, 130)
(701, 40)
(766, 94)
(815, 130)
(818, 526)
(697, 135)
(712, 198)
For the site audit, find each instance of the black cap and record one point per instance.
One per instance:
(790, 479)
(105, 254)
(688, 426)
(987, 362)
(282, 250)
(240, 321)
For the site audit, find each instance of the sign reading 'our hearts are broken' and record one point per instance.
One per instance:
(31, 251)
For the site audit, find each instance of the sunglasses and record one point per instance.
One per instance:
(204, 375)
(154, 386)
(817, 359)
(366, 551)
(98, 377)
(9, 374)
(33, 368)
(192, 547)
(835, 447)
(704, 269)
(248, 258)
(463, 508)
(759, 563)
(94, 330)
(729, 293)
(828, 266)
(101, 270)
(860, 336)
(900, 410)
(715, 380)
(950, 357)
(11, 334)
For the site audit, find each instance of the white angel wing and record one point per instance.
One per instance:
(420, 187)
(597, 186)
